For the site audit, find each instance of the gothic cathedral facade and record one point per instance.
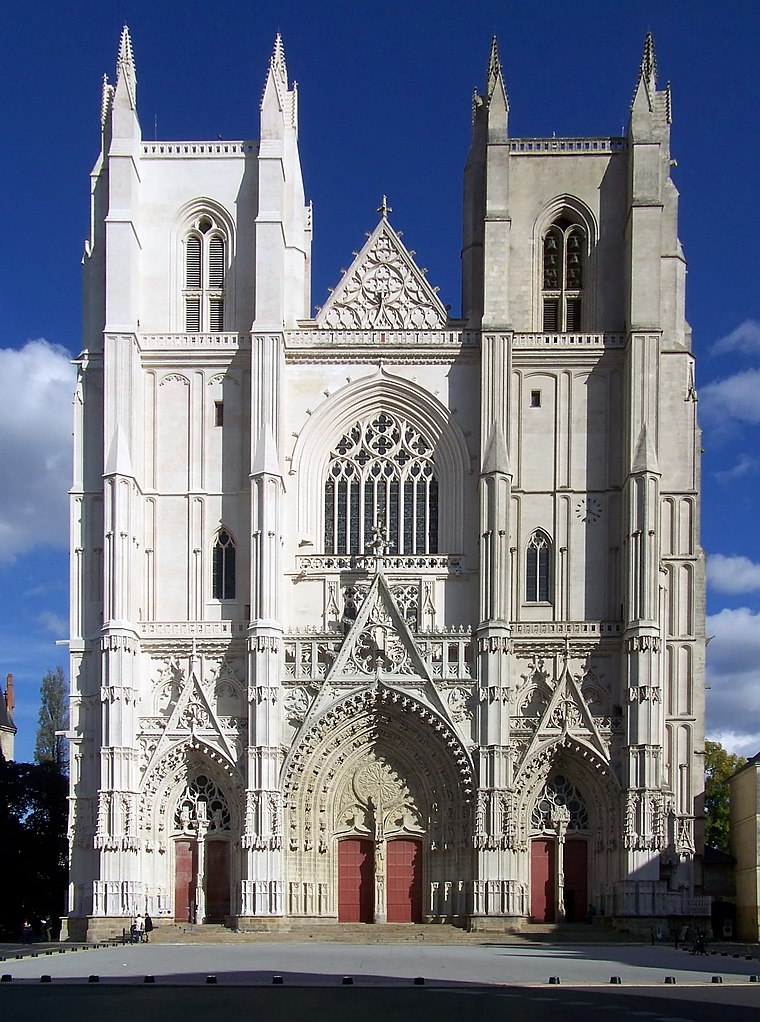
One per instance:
(377, 614)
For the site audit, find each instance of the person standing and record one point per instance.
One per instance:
(148, 926)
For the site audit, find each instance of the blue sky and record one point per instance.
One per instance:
(385, 93)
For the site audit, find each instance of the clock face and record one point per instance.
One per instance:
(589, 509)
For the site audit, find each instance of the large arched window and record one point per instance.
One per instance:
(563, 266)
(538, 569)
(223, 567)
(381, 473)
(205, 255)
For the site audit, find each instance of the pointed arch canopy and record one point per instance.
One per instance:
(587, 769)
(393, 394)
(166, 780)
(418, 761)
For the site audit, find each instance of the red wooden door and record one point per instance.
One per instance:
(217, 881)
(576, 880)
(404, 883)
(185, 878)
(542, 872)
(356, 881)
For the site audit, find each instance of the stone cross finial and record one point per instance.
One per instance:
(384, 209)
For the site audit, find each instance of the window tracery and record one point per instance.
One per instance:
(205, 254)
(563, 271)
(381, 473)
(223, 567)
(559, 794)
(202, 804)
(538, 568)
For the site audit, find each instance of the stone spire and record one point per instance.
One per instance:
(126, 73)
(277, 65)
(646, 83)
(495, 98)
(493, 74)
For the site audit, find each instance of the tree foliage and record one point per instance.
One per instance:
(33, 845)
(54, 716)
(720, 765)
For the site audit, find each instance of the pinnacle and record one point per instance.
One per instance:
(126, 59)
(494, 67)
(648, 69)
(277, 61)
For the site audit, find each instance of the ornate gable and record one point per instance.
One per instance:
(383, 289)
(193, 714)
(567, 713)
(379, 643)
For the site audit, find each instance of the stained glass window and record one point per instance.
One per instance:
(381, 473)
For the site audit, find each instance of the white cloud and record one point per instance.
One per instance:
(746, 338)
(36, 386)
(53, 623)
(733, 673)
(732, 574)
(746, 465)
(733, 399)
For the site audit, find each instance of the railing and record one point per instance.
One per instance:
(390, 563)
(157, 342)
(568, 340)
(189, 629)
(565, 146)
(316, 337)
(559, 629)
(203, 149)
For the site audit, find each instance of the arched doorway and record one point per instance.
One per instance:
(373, 790)
(559, 853)
(202, 853)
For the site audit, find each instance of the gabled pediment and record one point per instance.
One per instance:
(379, 642)
(383, 289)
(193, 714)
(567, 713)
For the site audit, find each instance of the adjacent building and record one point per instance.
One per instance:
(379, 614)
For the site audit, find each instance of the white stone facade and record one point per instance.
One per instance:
(385, 585)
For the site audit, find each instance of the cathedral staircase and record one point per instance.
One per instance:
(388, 933)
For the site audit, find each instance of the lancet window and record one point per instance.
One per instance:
(205, 254)
(381, 475)
(538, 569)
(223, 567)
(559, 798)
(563, 277)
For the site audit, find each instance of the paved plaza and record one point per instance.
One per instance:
(488, 982)
(378, 964)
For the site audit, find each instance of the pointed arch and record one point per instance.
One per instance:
(397, 396)
(565, 236)
(585, 767)
(223, 565)
(539, 568)
(202, 254)
(165, 781)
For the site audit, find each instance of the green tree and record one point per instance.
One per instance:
(33, 845)
(54, 716)
(720, 765)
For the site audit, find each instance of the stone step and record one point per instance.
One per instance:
(305, 931)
